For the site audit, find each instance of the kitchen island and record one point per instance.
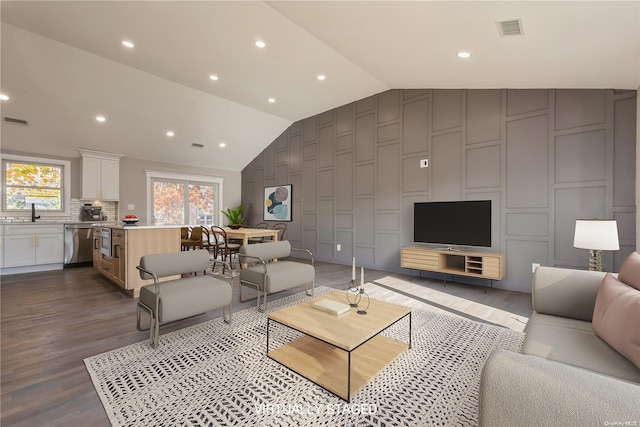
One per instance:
(117, 249)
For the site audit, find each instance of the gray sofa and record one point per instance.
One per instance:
(566, 375)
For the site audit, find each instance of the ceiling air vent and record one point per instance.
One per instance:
(512, 27)
(196, 145)
(15, 121)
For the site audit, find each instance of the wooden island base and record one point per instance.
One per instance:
(128, 244)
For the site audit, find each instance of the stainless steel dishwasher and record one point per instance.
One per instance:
(78, 245)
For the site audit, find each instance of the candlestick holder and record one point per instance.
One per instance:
(356, 296)
(362, 295)
(353, 294)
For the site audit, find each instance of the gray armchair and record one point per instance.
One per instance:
(182, 297)
(260, 271)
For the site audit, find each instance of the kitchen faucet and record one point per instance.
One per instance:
(33, 213)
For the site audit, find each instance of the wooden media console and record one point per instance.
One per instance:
(484, 265)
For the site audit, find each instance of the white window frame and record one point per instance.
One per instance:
(153, 174)
(66, 185)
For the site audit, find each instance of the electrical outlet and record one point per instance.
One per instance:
(131, 207)
(534, 266)
(424, 163)
(338, 247)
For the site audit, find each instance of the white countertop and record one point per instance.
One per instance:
(107, 224)
(140, 226)
(51, 222)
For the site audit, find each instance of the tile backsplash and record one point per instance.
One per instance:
(110, 209)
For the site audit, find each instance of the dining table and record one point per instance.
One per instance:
(246, 233)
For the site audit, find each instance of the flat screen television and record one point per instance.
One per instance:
(461, 223)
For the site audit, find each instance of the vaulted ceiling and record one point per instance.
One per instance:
(63, 64)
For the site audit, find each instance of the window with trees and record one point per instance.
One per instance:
(184, 199)
(38, 181)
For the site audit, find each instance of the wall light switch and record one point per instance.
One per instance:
(424, 163)
(338, 247)
(131, 207)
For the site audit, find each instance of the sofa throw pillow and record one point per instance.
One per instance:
(630, 270)
(616, 317)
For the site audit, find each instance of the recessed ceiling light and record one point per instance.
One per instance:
(260, 44)
(463, 54)
(223, 144)
(213, 77)
(127, 43)
(321, 77)
(4, 97)
(101, 118)
(271, 100)
(170, 133)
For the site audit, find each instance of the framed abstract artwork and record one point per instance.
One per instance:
(277, 203)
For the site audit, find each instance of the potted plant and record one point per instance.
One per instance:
(234, 216)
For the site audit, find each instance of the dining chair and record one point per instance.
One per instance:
(215, 245)
(224, 247)
(261, 226)
(195, 239)
(184, 232)
(184, 237)
(207, 242)
(282, 229)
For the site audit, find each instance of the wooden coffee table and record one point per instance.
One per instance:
(339, 353)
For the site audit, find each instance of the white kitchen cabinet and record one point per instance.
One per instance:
(100, 175)
(26, 245)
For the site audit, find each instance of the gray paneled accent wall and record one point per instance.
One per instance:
(543, 157)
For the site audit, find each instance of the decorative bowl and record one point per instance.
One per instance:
(130, 221)
(234, 226)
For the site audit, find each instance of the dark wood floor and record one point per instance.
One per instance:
(52, 321)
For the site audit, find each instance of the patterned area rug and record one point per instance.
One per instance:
(214, 374)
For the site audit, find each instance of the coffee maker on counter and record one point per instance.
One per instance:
(91, 213)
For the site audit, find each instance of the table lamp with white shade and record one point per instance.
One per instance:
(597, 235)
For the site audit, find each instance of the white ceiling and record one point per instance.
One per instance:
(62, 64)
